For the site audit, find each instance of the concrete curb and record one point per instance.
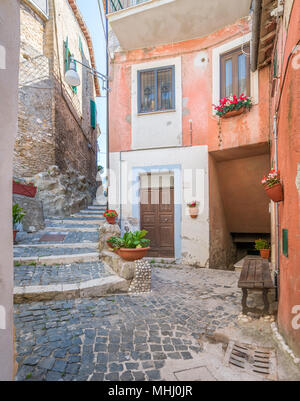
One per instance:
(59, 259)
(87, 289)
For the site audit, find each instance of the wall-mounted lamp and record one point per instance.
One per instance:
(73, 79)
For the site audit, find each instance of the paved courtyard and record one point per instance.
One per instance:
(125, 337)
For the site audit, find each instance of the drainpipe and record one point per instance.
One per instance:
(255, 34)
(275, 132)
(107, 106)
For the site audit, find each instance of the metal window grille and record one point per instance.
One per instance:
(117, 5)
(156, 90)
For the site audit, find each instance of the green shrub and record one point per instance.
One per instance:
(131, 240)
(18, 214)
(261, 244)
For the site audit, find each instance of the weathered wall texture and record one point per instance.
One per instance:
(54, 122)
(289, 159)
(198, 126)
(9, 50)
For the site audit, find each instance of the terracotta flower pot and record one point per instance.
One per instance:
(265, 253)
(194, 212)
(23, 189)
(130, 255)
(234, 113)
(15, 234)
(110, 220)
(275, 192)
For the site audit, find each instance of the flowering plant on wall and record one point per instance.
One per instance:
(271, 179)
(273, 186)
(233, 103)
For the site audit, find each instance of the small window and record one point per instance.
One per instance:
(235, 72)
(156, 90)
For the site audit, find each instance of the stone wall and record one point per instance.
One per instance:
(62, 194)
(34, 216)
(54, 121)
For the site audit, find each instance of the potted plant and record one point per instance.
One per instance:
(18, 216)
(20, 188)
(263, 247)
(132, 246)
(110, 216)
(232, 106)
(273, 186)
(193, 209)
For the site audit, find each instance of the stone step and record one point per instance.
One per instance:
(88, 215)
(73, 229)
(89, 289)
(76, 221)
(60, 245)
(59, 259)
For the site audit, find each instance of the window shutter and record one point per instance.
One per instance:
(80, 46)
(93, 114)
(66, 45)
(74, 88)
(285, 242)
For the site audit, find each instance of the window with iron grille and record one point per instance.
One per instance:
(156, 90)
(235, 72)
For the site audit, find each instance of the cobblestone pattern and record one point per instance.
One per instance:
(125, 337)
(142, 281)
(48, 275)
(40, 252)
(71, 237)
(58, 224)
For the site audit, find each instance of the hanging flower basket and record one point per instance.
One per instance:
(193, 209)
(273, 186)
(28, 190)
(234, 113)
(110, 216)
(232, 106)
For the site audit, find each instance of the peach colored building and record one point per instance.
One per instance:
(284, 54)
(170, 61)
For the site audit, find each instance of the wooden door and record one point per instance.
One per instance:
(157, 217)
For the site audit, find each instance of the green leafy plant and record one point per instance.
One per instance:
(261, 244)
(193, 204)
(131, 240)
(18, 214)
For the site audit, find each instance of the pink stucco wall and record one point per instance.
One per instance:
(247, 129)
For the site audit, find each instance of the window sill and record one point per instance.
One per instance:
(157, 112)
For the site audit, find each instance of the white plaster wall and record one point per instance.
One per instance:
(161, 128)
(194, 234)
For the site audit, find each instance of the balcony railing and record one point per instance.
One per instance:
(117, 5)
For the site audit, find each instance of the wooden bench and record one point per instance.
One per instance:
(256, 276)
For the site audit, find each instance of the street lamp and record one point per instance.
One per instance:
(73, 79)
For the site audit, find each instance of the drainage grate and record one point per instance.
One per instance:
(251, 359)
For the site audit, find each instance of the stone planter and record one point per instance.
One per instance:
(234, 113)
(131, 255)
(265, 253)
(23, 189)
(275, 192)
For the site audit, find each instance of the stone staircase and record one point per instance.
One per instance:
(62, 261)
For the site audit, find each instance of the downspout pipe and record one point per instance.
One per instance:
(257, 9)
(107, 106)
(275, 133)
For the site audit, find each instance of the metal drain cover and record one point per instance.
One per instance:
(251, 359)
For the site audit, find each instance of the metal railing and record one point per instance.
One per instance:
(117, 5)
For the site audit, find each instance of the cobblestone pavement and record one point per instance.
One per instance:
(125, 337)
(31, 275)
(40, 252)
(71, 237)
